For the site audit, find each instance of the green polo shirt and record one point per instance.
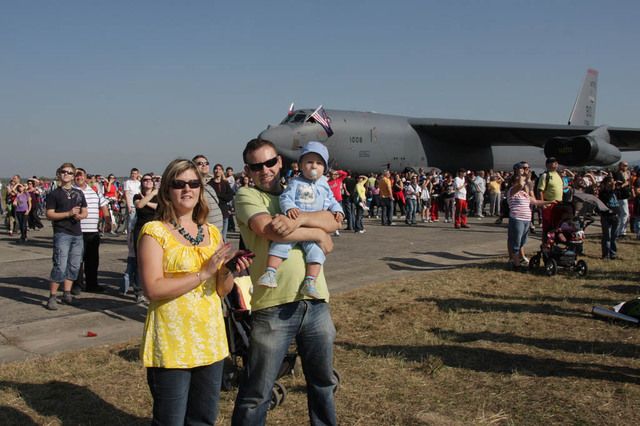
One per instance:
(250, 202)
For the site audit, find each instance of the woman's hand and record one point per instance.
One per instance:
(221, 255)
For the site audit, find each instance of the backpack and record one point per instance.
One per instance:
(547, 178)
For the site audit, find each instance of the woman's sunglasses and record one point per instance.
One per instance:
(256, 167)
(181, 184)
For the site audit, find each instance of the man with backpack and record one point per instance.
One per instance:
(549, 187)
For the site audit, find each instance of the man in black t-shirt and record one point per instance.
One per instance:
(66, 206)
(349, 198)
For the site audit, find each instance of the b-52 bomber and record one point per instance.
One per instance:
(368, 141)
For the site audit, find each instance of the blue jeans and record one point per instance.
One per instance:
(412, 206)
(272, 331)
(67, 257)
(225, 228)
(517, 233)
(348, 208)
(185, 396)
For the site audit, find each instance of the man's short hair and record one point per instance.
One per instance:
(80, 169)
(199, 156)
(254, 145)
(63, 166)
(551, 160)
(134, 170)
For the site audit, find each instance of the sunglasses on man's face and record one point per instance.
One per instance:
(181, 184)
(256, 167)
(202, 163)
(66, 172)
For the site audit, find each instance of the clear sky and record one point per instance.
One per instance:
(110, 85)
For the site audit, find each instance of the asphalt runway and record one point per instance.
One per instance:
(28, 329)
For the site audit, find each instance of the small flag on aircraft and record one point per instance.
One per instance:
(290, 109)
(321, 117)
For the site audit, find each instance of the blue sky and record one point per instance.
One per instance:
(115, 84)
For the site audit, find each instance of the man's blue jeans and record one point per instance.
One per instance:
(185, 396)
(67, 257)
(272, 331)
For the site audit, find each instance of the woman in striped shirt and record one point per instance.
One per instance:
(520, 199)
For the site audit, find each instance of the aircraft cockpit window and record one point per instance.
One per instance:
(294, 118)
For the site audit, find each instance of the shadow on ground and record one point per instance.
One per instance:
(494, 361)
(82, 405)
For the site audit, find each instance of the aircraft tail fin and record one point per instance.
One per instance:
(584, 109)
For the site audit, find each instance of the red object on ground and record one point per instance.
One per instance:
(91, 334)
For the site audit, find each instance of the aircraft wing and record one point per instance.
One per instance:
(476, 132)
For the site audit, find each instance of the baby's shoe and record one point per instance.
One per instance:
(309, 288)
(268, 279)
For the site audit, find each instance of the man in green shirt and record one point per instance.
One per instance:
(550, 182)
(281, 314)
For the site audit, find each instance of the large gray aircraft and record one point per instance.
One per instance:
(367, 141)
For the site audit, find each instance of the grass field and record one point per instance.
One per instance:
(479, 345)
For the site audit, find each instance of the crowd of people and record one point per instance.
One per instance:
(179, 258)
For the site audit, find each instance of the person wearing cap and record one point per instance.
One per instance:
(550, 182)
(280, 315)
(308, 192)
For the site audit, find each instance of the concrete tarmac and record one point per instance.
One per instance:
(28, 329)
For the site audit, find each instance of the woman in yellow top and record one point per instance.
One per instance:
(181, 261)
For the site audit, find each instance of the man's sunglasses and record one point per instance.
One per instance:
(202, 163)
(256, 167)
(181, 184)
(67, 172)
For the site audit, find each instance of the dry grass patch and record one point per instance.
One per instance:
(475, 345)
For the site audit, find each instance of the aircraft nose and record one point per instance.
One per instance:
(281, 136)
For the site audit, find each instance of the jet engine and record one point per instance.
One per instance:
(593, 149)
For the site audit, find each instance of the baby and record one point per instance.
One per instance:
(308, 192)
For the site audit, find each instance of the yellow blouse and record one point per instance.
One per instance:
(187, 331)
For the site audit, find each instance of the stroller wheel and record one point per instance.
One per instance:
(534, 262)
(336, 375)
(278, 395)
(551, 267)
(581, 268)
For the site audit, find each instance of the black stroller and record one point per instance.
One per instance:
(562, 240)
(238, 326)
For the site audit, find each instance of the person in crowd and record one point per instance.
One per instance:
(34, 194)
(225, 195)
(480, 186)
(411, 196)
(460, 186)
(550, 182)
(520, 202)
(131, 188)
(622, 177)
(495, 182)
(182, 266)
(447, 198)
(22, 206)
(398, 194)
(11, 221)
(361, 206)
(336, 179)
(386, 198)
(215, 216)
(66, 207)
(90, 235)
(146, 204)
(426, 198)
(349, 200)
(609, 219)
(374, 192)
(294, 171)
(308, 192)
(436, 198)
(282, 314)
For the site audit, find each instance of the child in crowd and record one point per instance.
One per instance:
(308, 192)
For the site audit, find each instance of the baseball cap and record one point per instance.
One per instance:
(318, 148)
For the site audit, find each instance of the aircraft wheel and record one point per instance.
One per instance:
(581, 268)
(551, 267)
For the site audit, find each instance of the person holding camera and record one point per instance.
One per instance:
(183, 267)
